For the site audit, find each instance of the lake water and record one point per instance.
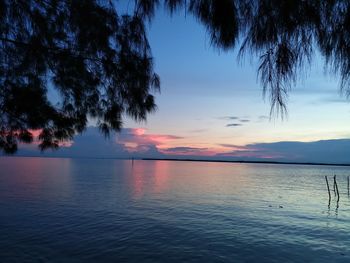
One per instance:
(81, 210)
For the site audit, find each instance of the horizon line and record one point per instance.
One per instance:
(243, 161)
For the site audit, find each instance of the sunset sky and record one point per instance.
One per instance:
(211, 105)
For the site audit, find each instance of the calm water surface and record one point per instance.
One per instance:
(81, 210)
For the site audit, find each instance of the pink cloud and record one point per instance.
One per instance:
(137, 140)
(138, 131)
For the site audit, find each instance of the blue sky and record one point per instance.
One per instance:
(211, 105)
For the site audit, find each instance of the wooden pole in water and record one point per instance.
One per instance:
(348, 186)
(329, 192)
(336, 186)
(334, 182)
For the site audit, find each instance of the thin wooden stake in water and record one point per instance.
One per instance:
(336, 186)
(348, 187)
(334, 181)
(329, 192)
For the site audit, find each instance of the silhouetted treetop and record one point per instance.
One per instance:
(98, 59)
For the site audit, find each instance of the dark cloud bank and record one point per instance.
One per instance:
(325, 151)
(93, 145)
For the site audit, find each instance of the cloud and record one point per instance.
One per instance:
(137, 143)
(136, 139)
(324, 151)
(128, 143)
(182, 150)
(244, 119)
(251, 154)
(228, 118)
(198, 130)
(233, 146)
(233, 124)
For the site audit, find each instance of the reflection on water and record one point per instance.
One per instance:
(27, 178)
(152, 178)
(158, 211)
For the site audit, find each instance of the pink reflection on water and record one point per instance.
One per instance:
(149, 177)
(31, 177)
(137, 181)
(161, 178)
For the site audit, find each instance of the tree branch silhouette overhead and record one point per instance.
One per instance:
(99, 59)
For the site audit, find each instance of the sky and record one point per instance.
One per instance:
(211, 106)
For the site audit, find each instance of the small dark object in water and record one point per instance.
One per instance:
(281, 206)
(329, 193)
(270, 205)
(336, 187)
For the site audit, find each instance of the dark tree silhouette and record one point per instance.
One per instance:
(100, 62)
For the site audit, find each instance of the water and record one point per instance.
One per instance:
(81, 210)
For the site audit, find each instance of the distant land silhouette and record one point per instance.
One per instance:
(227, 161)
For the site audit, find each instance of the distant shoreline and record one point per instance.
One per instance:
(252, 162)
(179, 160)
